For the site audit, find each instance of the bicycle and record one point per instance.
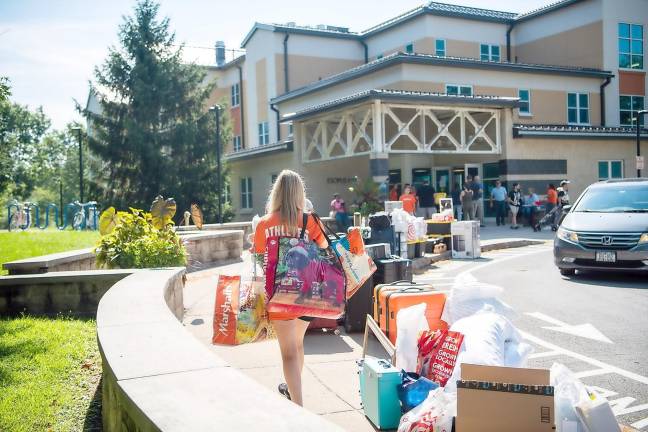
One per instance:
(21, 217)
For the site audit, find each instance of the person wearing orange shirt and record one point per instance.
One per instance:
(284, 217)
(409, 200)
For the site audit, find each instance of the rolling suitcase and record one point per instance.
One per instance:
(378, 391)
(323, 324)
(358, 307)
(392, 269)
(378, 250)
(390, 298)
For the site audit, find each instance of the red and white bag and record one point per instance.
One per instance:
(437, 357)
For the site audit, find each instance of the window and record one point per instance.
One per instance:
(264, 133)
(236, 143)
(236, 95)
(246, 192)
(630, 46)
(440, 47)
(610, 169)
(628, 107)
(489, 52)
(463, 90)
(290, 129)
(525, 101)
(409, 48)
(577, 108)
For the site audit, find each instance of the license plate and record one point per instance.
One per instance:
(606, 256)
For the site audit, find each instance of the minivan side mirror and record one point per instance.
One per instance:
(565, 210)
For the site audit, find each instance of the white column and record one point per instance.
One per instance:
(378, 145)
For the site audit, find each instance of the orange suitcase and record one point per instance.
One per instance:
(390, 298)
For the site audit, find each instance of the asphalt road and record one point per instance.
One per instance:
(612, 309)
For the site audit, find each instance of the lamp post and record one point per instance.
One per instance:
(638, 122)
(78, 131)
(216, 109)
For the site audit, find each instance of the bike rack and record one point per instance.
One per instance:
(89, 211)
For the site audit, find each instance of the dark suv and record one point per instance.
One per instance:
(606, 229)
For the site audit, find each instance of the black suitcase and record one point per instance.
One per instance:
(358, 306)
(383, 236)
(393, 269)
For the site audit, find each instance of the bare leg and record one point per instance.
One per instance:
(290, 357)
(300, 329)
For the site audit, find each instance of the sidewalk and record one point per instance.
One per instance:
(330, 380)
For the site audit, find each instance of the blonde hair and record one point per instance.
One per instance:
(287, 197)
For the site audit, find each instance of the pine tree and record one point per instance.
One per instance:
(153, 132)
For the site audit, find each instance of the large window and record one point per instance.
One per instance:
(440, 47)
(610, 169)
(409, 48)
(631, 46)
(236, 95)
(236, 143)
(246, 192)
(489, 52)
(525, 101)
(455, 89)
(628, 107)
(264, 133)
(291, 130)
(577, 108)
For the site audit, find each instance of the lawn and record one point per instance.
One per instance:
(35, 242)
(49, 375)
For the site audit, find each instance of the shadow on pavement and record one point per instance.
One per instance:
(325, 343)
(93, 419)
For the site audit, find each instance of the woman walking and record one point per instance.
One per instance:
(284, 216)
(515, 201)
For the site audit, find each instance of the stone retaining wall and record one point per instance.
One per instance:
(208, 248)
(75, 260)
(73, 292)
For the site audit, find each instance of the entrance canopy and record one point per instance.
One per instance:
(397, 121)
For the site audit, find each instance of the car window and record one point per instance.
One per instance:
(615, 199)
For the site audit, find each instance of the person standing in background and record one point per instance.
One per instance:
(515, 202)
(426, 200)
(409, 200)
(393, 193)
(498, 194)
(529, 206)
(552, 198)
(466, 203)
(338, 207)
(456, 202)
(478, 205)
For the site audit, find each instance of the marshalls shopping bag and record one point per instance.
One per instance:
(303, 279)
(240, 313)
(357, 264)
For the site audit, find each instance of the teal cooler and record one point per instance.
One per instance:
(378, 391)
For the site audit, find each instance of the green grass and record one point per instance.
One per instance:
(49, 375)
(34, 242)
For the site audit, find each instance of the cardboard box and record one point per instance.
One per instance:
(502, 399)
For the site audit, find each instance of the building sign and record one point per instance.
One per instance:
(341, 180)
(640, 162)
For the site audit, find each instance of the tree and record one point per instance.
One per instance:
(153, 132)
(5, 91)
(21, 151)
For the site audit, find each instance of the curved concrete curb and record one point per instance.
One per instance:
(158, 377)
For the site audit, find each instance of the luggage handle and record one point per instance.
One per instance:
(403, 281)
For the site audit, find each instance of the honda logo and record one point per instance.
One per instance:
(606, 240)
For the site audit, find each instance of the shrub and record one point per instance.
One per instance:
(139, 240)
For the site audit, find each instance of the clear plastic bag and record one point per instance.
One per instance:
(410, 322)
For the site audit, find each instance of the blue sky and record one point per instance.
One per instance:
(49, 48)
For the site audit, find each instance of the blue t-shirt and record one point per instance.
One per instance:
(499, 193)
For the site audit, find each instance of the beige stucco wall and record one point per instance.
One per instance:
(582, 156)
(261, 91)
(303, 70)
(318, 189)
(581, 46)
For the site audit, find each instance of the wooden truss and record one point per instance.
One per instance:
(399, 128)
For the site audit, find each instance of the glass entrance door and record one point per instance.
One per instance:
(442, 179)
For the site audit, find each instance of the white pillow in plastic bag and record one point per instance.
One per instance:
(410, 322)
